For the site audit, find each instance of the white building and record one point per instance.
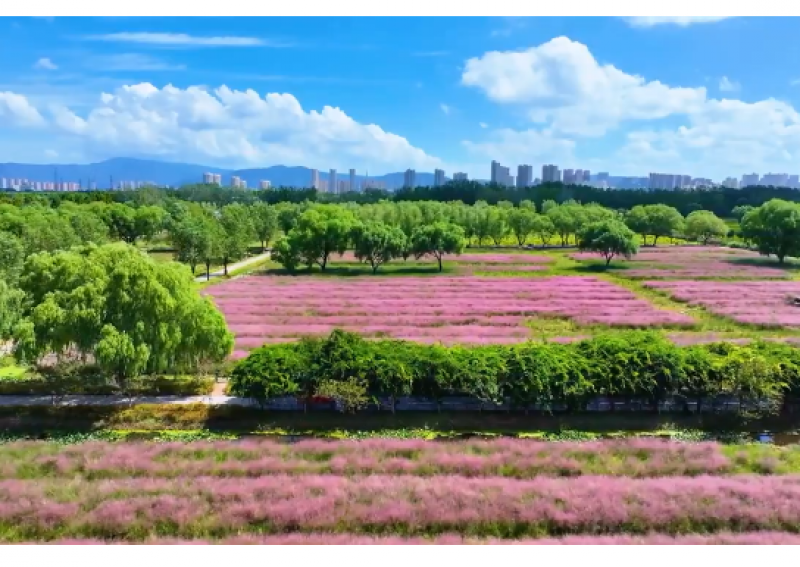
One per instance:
(353, 186)
(235, 181)
(524, 176)
(776, 179)
(314, 179)
(551, 174)
(264, 184)
(438, 177)
(749, 180)
(323, 185)
(460, 176)
(332, 185)
(731, 183)
(344, 186)
(410, 179)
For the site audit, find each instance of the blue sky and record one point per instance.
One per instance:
(704, 98)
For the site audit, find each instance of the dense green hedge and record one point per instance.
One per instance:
(622, 365)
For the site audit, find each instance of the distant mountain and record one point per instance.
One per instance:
(176, 174)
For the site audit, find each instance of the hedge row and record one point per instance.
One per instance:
(625, 365)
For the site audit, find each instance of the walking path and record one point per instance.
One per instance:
(236, 266)
(212, 400)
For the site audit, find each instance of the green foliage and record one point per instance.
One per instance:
(265, 222)
(608, 238)
(233, 237)
(774, 228)
(437, 240)
(319, 232)
(115, 302)
(654, 220)
(704, 226)
(377, 243)
(627, 365)
(350, 394)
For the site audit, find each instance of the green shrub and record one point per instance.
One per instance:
(622, 365)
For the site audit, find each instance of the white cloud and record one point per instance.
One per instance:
(231, 128)
(45, 63)
(18, 111)
(728, 86)
(682, 21)
(52, 154)
(182, 39)
(445, 108)
(561, 82)
(483, 124)
(570, 95)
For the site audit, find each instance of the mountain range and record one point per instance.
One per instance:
(112, 171)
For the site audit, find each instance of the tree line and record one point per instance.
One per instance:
(625, 365)
(720, 201)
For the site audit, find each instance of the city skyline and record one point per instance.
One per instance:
(535, 91)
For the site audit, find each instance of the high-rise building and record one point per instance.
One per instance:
(587, 177)
(460, 176)
(495, 169)
(749, 180)
(569, 177)
(551, 174)
(264, 184)
(775, 179)
(344, 186)
(410, 179)
(235, 180)
(323, 185)
(524, 176)
(208, 178)
(353, 186)
(332, 185)
(731, 183)
(438, 177)
(314, 179)
(794, 181)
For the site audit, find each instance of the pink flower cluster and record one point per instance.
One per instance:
(511, 458)
(767, 304)
(694, 262)
(261, 309)
(722, 538)
(498, 507)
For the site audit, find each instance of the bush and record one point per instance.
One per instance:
(626, 365)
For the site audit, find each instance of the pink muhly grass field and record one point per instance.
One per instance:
(517, 259)
(512, 458)
(403, 505)
(693, 262)
(757, 303)
(722, 538)
(468, 309)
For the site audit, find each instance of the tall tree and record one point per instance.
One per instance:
(609, 238)
(377, 243)
(265, 222)
(437, 240)
(774, 227)
(237, 231)
(704, 226)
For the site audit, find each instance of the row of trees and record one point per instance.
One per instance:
(623, 365)
(719, 201)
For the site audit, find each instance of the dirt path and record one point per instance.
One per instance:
(236, 266)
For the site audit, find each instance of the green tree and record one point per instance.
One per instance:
(73, 296)
(608, 238)
(190, 239)
(521, 221)
(704, 226)
(437, 240)
(542, 227)
(567, 220)
(377, 243)
(12, 255)
(774, 227)
(740, 211)
(235, 235)
(118, 356)
(654, 220)
(265, 222)
(11, 305)
(320, 232)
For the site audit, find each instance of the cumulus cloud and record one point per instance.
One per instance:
(562, 83)
(728, 86)
(17, 111)
(445, 108)
(682, 21)
(571, 96)
(228, 127)
(45, 63)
